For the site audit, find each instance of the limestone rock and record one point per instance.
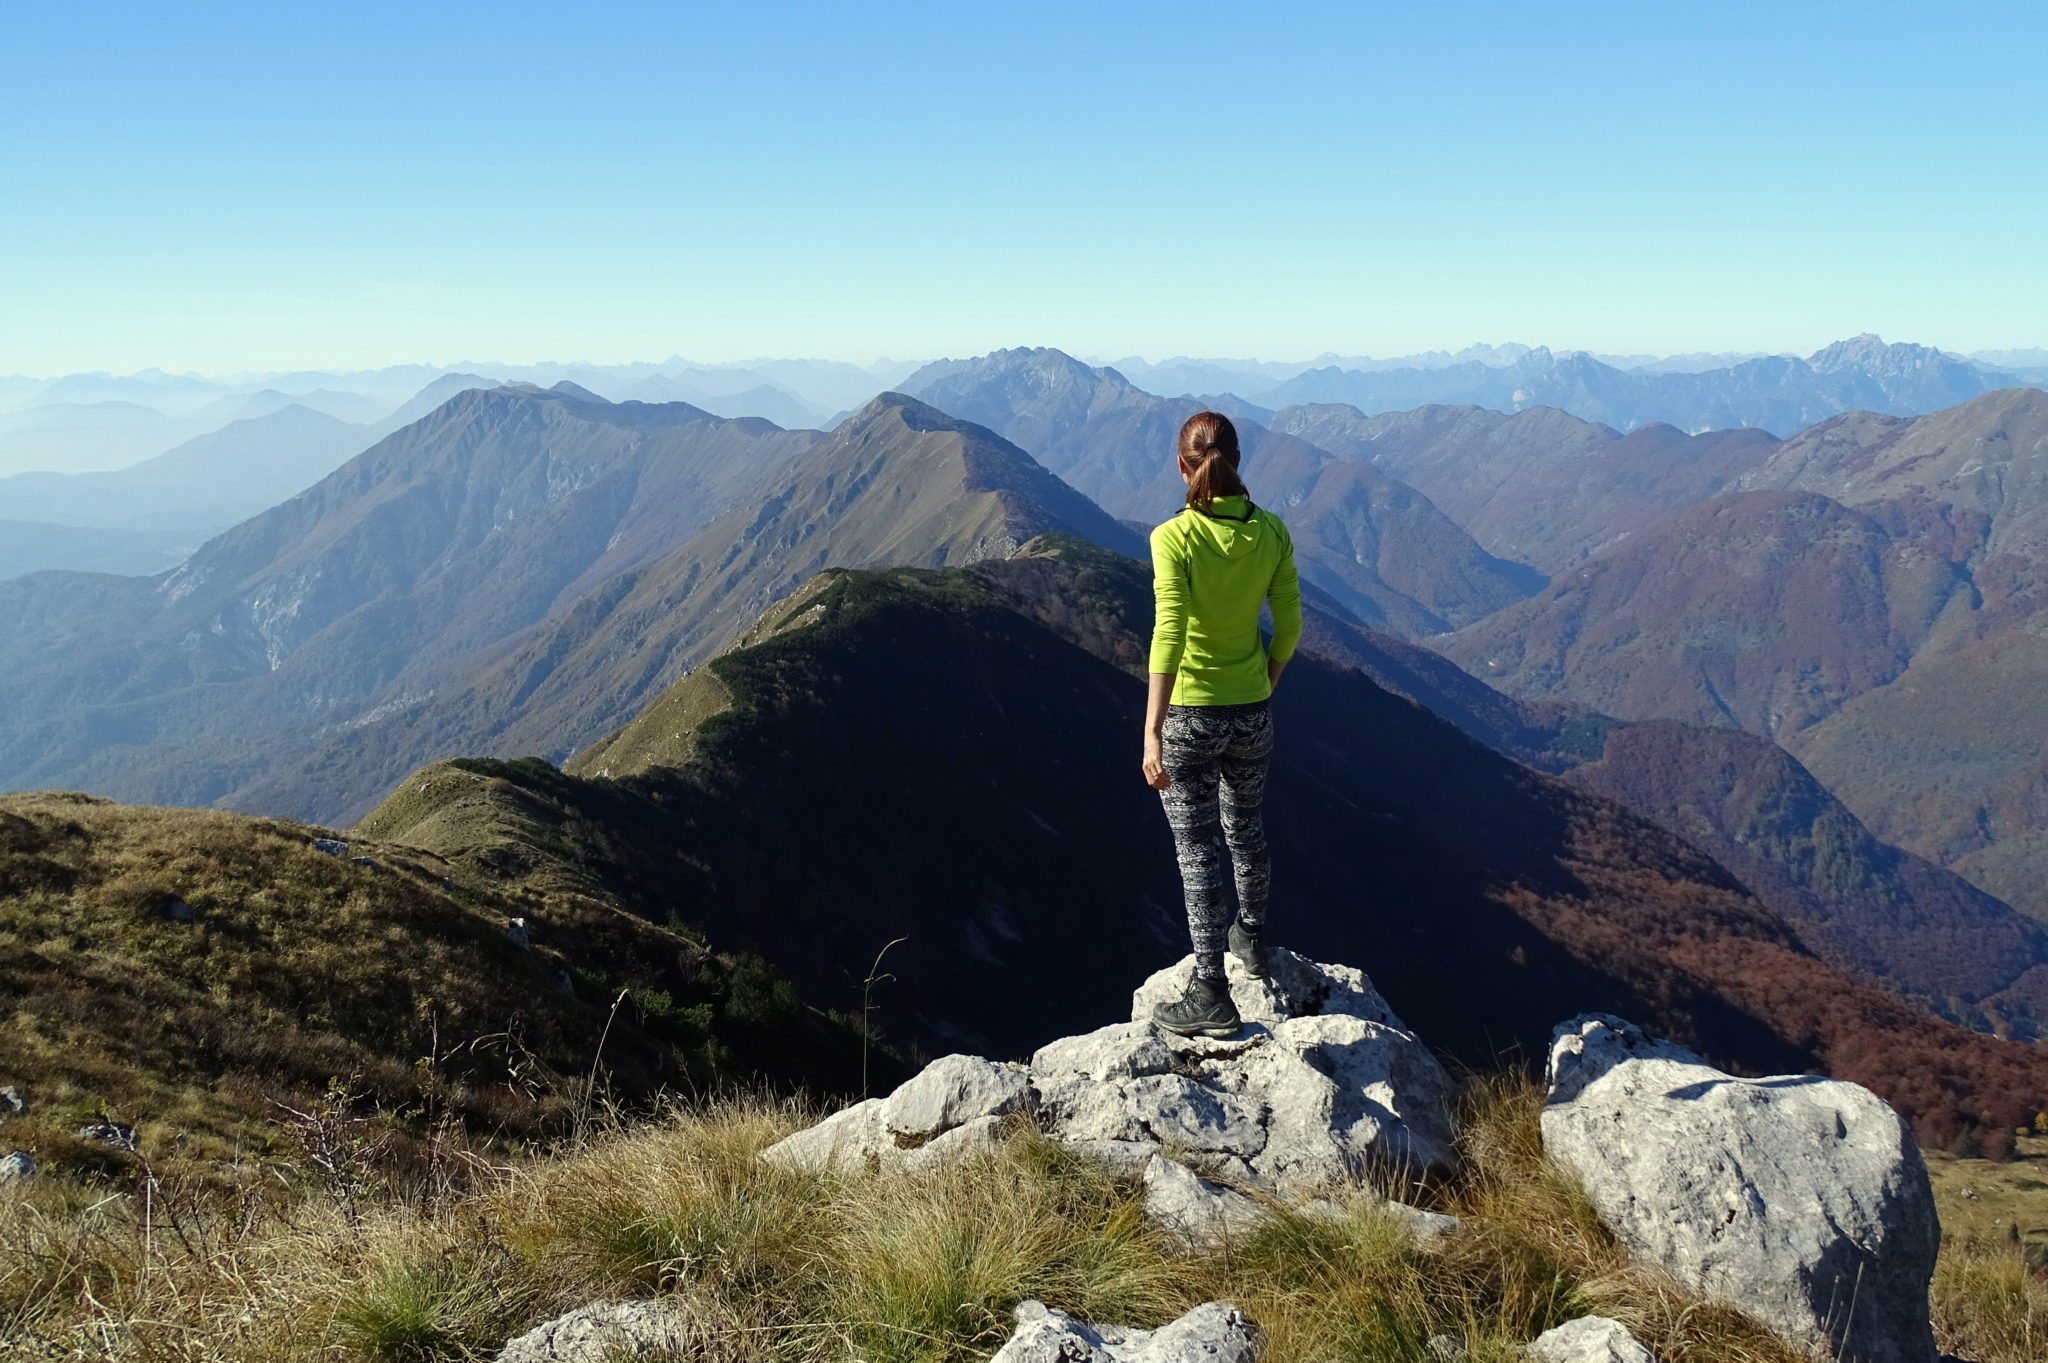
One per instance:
(1802, 1201)
(1195, 1211)
(1345, 1084)
(177, 911)
(1126, 1158)
(977, 1136)
(1296, 987)
(955, 1089)
(116, 1134)
(1589, 1339)
(1324, 1086)
(849, 1139)
(11, 1101)
(333, 847)
(601, 1332)
(517, 933)
(1124, 1051)
(16, 1166)
(1215, 1332)
(1422, 1224)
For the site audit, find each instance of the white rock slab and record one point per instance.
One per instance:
(1801, 1201)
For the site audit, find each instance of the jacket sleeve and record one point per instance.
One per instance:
(1169, 603)
(1285, 595)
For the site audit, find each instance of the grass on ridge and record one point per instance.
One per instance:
(885, 1268)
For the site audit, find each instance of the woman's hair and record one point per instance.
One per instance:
(1208, 443)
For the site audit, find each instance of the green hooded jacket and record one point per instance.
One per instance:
(1209, 575)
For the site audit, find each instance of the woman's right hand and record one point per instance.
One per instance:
(1154, 768)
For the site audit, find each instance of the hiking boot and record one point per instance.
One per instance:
(1250, 950)
(1206, 1009)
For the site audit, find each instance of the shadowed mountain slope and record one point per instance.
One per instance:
(1888, 917)
(985, 808)
(1375, 544)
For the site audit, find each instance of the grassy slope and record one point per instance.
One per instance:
(298, 967)
(880, 1267)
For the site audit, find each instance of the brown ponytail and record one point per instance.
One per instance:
(1208, 449)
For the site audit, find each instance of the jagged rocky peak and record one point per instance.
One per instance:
(1869, 353)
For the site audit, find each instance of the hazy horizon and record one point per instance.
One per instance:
(1095, 357)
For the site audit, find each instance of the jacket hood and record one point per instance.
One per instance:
(1228, 538)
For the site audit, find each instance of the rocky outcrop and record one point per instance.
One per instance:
(1322, 1085)
(603, 1331)
(1800, 1200)
(1215, 1332)
(1589, 1339)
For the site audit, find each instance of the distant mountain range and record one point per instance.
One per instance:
(207, 484)
(1870, 596)
(1373, 543)
(520, 567)
(1539, 485)
(1780, 394)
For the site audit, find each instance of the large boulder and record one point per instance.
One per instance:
(1800, 1200)
(1344, 1085)
(605, 1331)
(1215, 1332)
(1322, 1086)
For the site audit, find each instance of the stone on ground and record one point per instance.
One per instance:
(602, 1332)
(1589, 1339)
(1799, 1200)
(1193, 1210)
(1215, 1332)
(952, 1091)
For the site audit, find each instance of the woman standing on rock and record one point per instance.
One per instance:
(1208, 718)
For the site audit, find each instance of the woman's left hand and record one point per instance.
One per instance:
(1155, 769)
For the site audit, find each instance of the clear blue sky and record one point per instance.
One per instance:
(222, 187)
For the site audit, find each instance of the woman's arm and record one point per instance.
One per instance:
(1156, 697)
(1169, 639)
(1285, 595)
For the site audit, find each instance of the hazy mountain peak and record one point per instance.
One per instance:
(578, 392)
(901, 407)
(1868, 351)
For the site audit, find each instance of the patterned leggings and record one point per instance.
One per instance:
(1212, 751)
